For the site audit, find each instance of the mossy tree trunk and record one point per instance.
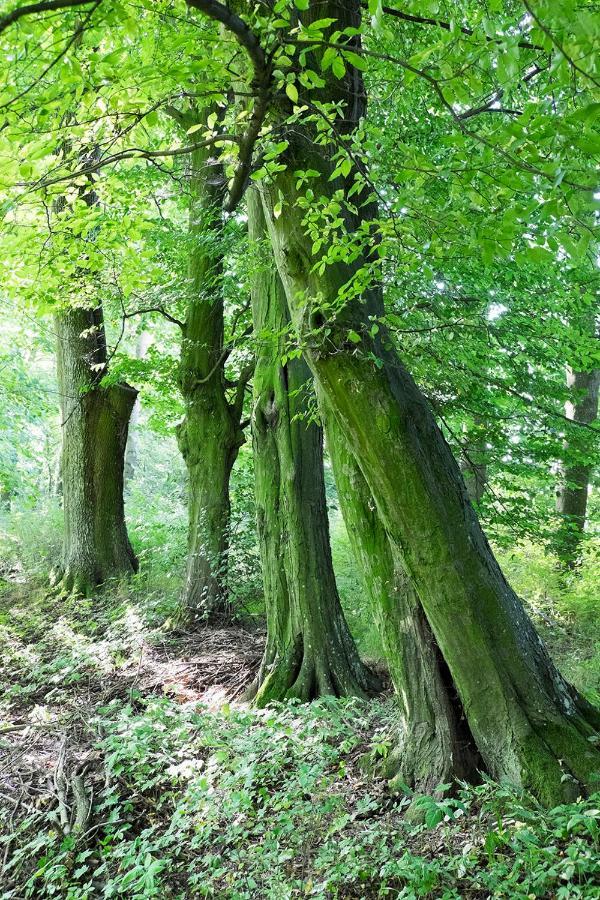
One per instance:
(309, 650)
(528, 725)
(433, 745)
(210, 434)
(580, 451)
(94, 429)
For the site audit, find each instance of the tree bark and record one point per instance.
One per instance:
(529, 726)
(310, 651)
(94, 428)
(433, 744)
(572, 495)
(210, 435)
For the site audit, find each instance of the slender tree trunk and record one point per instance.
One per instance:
(433, 744)
(94, 428)
(309, 650)
(528, 725)
(131, 452)
(210, 435)
(473, 462)
(572, 495)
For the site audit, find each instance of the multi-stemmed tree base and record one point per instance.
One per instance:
(528, 726)
(312, 665)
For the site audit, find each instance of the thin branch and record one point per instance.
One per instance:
(137, 153)
(447, 26)
(77, 34)
(154, 309)
(558, 45)
(32, 8)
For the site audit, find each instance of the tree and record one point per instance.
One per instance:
(95, 421)
(527, 723)
(210, 434)
(310, 651)
(572, 496)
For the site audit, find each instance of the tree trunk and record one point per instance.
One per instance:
(529, 726)
(433, 744)
(473, 461)
(309, 650)
(210, 435)
(94, 427)
(131, 452)
(572, 496)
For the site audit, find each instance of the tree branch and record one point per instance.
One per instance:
(558, 45)
(245, 375)
(236, 25)
(447, 26)
(261, 66)
(77, 34)
(137, 153)
(32, 8)
(154, 309)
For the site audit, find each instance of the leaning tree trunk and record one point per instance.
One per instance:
(572, 496)
(94, 429)
(433, 744)
(309, 650)
(528, 725)
(210, 435)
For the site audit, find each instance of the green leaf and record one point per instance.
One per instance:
(359, 62)
(292, 91)
(338, 68)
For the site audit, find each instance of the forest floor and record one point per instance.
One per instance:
(131, 766)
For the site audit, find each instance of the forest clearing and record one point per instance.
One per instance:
(299, 516)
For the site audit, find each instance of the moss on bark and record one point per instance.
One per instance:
(513, 697)
(309, 651)
(433, 744)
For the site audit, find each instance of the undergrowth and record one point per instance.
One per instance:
(191, 796)
(272, 804)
